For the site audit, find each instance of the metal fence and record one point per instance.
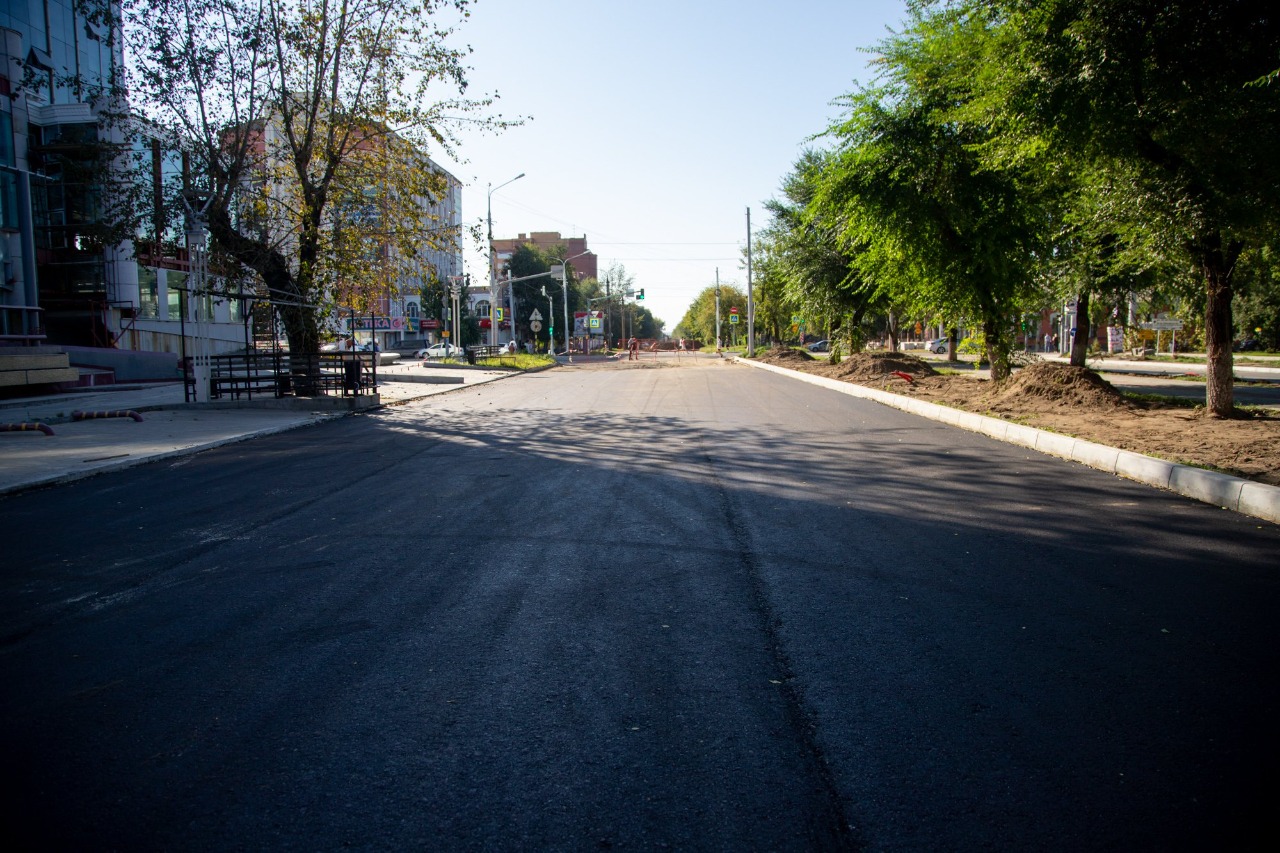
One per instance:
(281, 374)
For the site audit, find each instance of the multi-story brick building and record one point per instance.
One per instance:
(548, 241)
(584, 263)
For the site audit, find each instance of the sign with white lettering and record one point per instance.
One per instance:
(374, 324)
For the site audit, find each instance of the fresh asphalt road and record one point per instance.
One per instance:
(1170, 386)
(615, 607)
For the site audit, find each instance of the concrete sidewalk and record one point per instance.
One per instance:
(171, 427)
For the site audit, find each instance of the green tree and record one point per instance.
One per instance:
(615, 283)
(699, 321)
(815, 267)
(647, 326)
(1160, 94)
(306, 126)
(773, 307)
(927, 216)
(1258, 296)
(528, 260)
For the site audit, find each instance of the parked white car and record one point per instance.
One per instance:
(938, 345)
(444, 349)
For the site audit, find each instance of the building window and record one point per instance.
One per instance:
(176, 283)
(6, 140)
(8, 179)
(148, 293)
(8, 200)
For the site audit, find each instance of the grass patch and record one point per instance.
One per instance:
(516, 361)
(1162, 400)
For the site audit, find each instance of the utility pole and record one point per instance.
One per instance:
(608, 308)
(717, 310)
(493, 260)
(751, 305)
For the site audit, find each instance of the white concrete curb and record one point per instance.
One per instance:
(1245, 496)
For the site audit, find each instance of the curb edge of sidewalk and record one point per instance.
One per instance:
(72, 476)
(133, 462)
(1247, 497)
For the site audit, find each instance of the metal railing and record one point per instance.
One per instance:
(278, 374)
(21, 323)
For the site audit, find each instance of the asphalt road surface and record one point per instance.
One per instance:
(634, 607)
(1255, 394)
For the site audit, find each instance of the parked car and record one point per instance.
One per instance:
(444, 349)
(408, 346)
(820, 346)
(937, 345)
(1247, 345)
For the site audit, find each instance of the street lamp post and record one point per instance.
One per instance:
(493, 261)
(551, 323)
(564, 283)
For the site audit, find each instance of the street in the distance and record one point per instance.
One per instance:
(669, 604)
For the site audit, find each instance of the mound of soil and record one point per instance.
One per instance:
(783, 355)
(1059, 385)
(870, 366)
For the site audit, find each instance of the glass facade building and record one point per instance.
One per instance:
(56, 66)
(67, 278)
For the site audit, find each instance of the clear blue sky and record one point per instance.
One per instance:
(655, 125)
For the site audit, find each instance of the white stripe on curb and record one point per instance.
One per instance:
(1245, 496)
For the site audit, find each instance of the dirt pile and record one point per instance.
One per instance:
(785, 356)
(870, 366)
(1051, 385)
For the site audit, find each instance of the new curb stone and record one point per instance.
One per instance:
(1234, 493)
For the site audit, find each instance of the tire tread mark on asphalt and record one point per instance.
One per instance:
(837, 833)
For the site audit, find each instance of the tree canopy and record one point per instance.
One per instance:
(306, 128)
(1013, 152)
(699, 322)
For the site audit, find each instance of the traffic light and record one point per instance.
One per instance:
(640, 293)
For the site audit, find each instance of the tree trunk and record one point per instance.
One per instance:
(892, 325)
(1080, 340)
(300, 326)
(953, 344)
(1216, 264)
(997, 352)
